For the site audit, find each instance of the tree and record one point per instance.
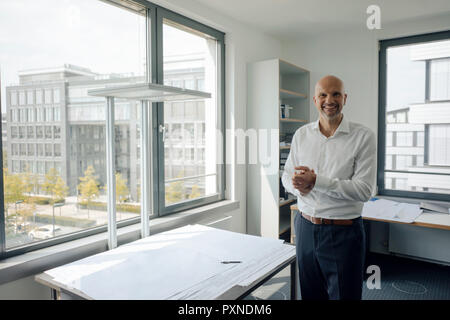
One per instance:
(30, 180)
(174, 192)
(50, 181)
(13, 188)
(60, 190)
(88, 187)
(195, 192)
(122, 191)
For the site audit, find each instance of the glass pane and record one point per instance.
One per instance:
(417, 122)
(53, 52)
(127, 146)
(418, 182)
(190, 62)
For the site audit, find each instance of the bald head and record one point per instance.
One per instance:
(330, 97)
(329, 81)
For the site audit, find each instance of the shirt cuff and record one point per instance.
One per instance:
(322, 183)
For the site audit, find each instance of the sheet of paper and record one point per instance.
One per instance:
(391, 210)
(177, 263)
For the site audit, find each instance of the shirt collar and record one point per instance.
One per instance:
(343, 126)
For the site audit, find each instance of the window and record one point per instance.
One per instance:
(389, 138)
(57, 113)
(56, 96)
(39, 132)
(414, 129)
(21, 98)
(22, 132)
(48, 114)
(23, 149)
(61, 95)
(40, 167)
(56, 132)
(187, 181)
(31, 115)
(13, 98)
(38, 96)
(14, 133)
(48, 150)
(57, 148)
(48, 96)
(14, 149)
(30, 149)
(48, 132)
(30, 97)
(404, 139)
(439, 145)
(440, 79)
(30, 132)
(40, 150)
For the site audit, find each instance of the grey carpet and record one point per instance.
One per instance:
(401, 279)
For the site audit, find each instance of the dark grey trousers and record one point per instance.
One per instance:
(330, 259)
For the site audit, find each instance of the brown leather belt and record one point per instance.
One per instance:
(316, 220)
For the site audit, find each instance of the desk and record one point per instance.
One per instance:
(184, 262)
(427, 241)
(428, 220)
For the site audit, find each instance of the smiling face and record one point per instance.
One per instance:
(330, 97)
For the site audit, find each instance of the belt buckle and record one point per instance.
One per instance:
(321, 220)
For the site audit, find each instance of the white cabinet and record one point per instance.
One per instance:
(270, 84)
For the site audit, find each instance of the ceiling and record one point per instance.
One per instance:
(293, 18)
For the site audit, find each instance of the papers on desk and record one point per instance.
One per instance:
(184, 263)
(435, 207)
(391, 210)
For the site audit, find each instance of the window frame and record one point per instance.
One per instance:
(382, 97)
(154, 14)
(159, 177)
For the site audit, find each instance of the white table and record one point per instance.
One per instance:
(184, 263)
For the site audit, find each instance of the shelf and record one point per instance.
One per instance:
(285, 147)
(292, 120)
(287, 94)
(285, 223)
(287, 68)
(286, 202)
(149, 92)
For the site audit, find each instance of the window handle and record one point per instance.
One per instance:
(163, 130)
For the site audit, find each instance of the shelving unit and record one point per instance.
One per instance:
(292, 120)
(270, 84)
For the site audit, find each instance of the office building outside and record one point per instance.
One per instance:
(418, 134)
(52, 122)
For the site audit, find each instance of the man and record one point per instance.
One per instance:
(331, 169)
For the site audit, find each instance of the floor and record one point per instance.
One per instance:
(401, 279)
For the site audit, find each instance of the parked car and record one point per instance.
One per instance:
(23, 227)
(44, 232)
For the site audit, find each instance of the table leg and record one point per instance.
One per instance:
(293, 280)
(55, 295)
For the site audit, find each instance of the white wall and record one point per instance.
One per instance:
(353, 56)
(243, 44)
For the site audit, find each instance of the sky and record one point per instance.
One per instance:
(87, 33)
(405, 78)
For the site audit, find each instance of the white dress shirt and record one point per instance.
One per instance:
(345, 165)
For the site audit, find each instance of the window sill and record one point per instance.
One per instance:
(38, 261)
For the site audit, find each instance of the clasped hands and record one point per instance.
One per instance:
(304, 179)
